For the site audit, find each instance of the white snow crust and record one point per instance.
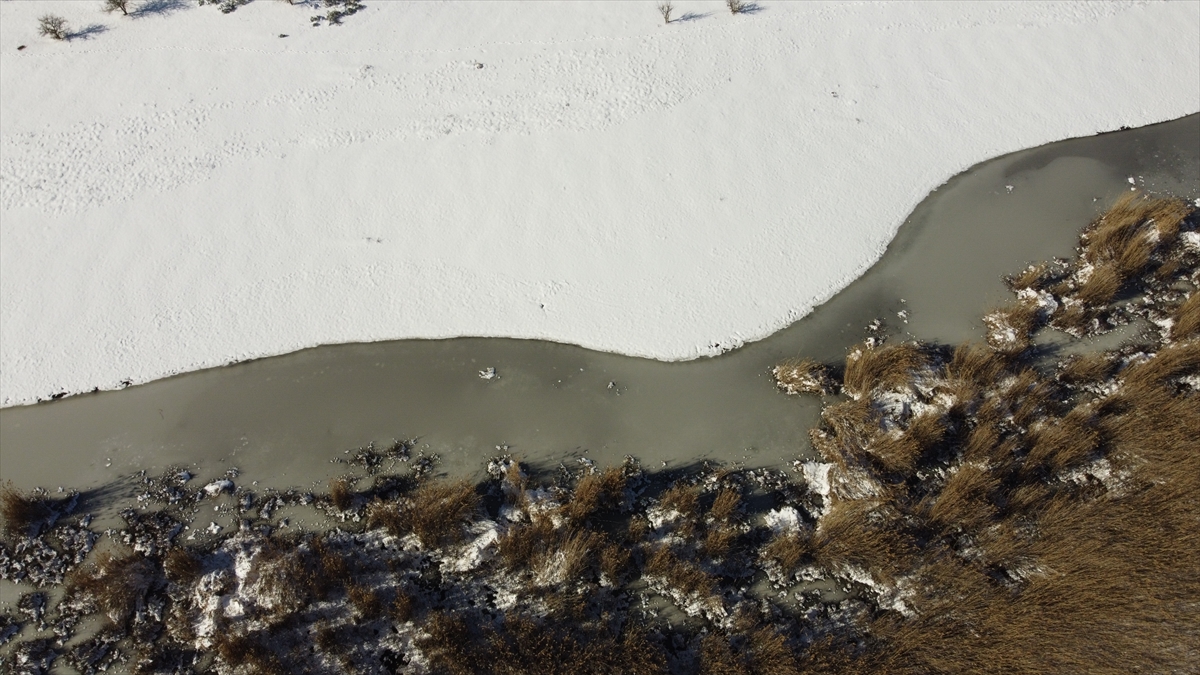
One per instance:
(186, 189)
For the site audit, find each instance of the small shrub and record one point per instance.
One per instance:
(53, 27)
(116, 5)
(737, 6)
(665, 9)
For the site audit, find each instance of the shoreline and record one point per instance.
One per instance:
(955, 483)
(284, 419)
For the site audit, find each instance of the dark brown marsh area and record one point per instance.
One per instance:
(988, 508)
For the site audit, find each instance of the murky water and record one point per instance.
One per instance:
(283, 419)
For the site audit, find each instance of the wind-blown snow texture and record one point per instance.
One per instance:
(185, 188)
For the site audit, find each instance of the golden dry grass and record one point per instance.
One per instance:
(975, 363)
(1090, 368)
(883, 368)
(117, 582)
(596, 492)
(21, 511)
(788, 550)
(1186, 319)
(435, 513)
(725, 505)
(965, 501)
(1101, 285)
(803, 376)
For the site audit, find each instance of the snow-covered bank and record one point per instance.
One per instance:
(186, 188)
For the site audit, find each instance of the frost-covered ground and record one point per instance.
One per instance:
(185, 188)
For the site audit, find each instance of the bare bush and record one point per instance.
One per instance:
(665, 9)
(121, 6)
(53, 27)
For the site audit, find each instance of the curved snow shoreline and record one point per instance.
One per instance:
(170, 202)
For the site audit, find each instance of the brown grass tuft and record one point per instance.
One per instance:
(804, 376)
(1101, 285)
(615, 563)
(402, 607)
(964, 500)
(975, 363)
(182, 565)
(522, 543)
(596, 492)
(118, 584)
(1186, 318)
(435, 512)
(1011, 327)
(881, 368)
(682, 498)
(1092, 368)
(449, 644)
(21, 512)
(366, 601)
(863, 534)
(680, 575)
(1062, 443)
(725, 505)
(341, 493)
(787, 550)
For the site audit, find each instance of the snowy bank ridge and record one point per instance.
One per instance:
(185, 188)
